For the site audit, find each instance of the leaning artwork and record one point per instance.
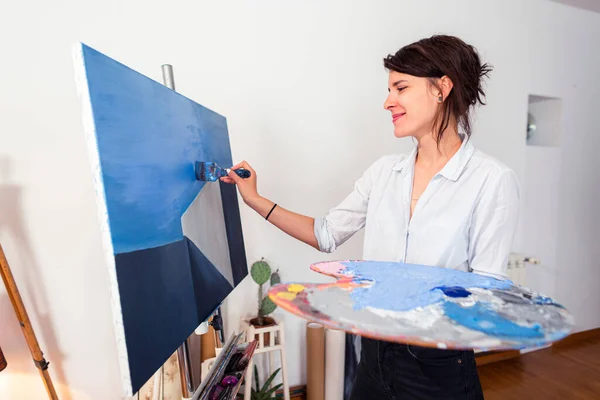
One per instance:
(173, 244)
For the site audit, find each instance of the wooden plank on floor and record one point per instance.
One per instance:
(495, 356)
(577, 337)
(570, 369)
(568, 372)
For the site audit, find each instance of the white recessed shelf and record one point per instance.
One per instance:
(544, 121)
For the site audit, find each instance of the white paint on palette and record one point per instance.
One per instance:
(423, 317)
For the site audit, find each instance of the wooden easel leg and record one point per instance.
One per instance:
(48, 384)
(30, 338)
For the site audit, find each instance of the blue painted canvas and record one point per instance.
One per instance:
(174, 245)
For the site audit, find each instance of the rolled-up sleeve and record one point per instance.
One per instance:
(494, 225)
(348, 217)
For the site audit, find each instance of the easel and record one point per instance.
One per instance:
(190, 350)
(34, 347)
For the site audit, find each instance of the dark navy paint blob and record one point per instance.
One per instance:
(454, 291)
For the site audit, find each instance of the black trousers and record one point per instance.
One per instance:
(399, 371)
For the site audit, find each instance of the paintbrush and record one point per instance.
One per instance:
(210, 171)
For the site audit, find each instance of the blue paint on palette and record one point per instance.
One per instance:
(426, 285)
(420, 284)
(545, 300)
(481, 317)
(149, 139)
(426, 306)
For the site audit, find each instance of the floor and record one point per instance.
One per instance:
(568, 372)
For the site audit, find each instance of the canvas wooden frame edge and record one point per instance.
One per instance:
(87, 118)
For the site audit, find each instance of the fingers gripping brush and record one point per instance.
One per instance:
(210, 171)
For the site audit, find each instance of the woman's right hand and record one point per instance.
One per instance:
(247, 187)
(296, 225)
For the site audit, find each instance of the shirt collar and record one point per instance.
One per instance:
(453, 168)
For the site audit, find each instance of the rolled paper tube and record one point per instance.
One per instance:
(315, 361)
(335, 346)
(207, 348)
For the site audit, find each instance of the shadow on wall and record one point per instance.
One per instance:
(26, 271)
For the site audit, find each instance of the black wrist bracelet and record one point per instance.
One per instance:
(267, 217)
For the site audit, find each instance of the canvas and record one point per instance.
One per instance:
(426, 306)
(174, 246)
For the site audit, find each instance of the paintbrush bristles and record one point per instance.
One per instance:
(206, 171)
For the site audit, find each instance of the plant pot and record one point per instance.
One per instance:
(268, 321)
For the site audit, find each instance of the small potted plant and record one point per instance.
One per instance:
(264, 393)
(261, 274)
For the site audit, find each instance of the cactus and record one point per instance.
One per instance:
(275, 279)
(261, 274)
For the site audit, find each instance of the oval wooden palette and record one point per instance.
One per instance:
(426, 306)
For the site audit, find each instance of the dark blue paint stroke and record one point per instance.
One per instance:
(210, 287)
(233, 229)
(417, 284)
(454, 291)
(481, 317)
(158, 306)
(166, 292)
(149, 138)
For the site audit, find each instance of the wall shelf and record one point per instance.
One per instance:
(544, 121)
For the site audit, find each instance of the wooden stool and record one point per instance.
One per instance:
(275, 343)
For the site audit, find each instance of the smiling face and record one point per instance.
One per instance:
(413, 103)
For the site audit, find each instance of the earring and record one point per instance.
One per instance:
(440, 98)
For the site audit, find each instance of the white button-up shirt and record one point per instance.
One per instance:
(465, 219)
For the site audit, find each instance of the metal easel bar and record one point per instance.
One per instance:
(192, 346)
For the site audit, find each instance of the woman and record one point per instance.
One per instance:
(443, 204)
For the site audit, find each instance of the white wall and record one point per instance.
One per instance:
(592, 5)
(302, 85)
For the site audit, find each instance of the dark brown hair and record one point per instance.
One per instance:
(439, 56)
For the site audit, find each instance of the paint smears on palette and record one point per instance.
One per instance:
(427, 306)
